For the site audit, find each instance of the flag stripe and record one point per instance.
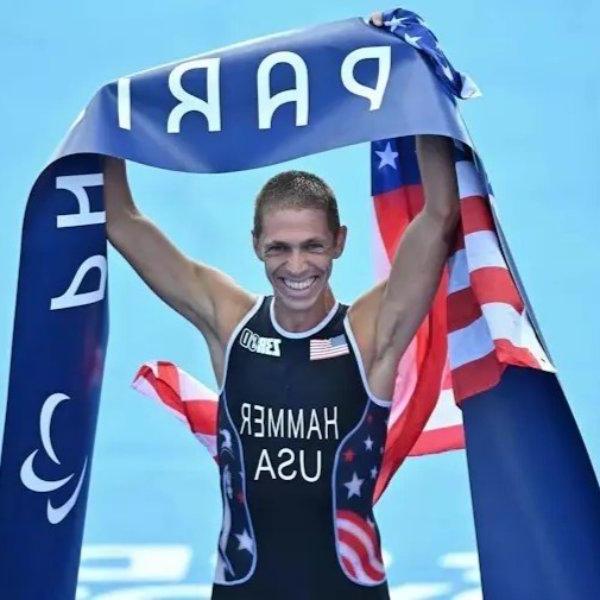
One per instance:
(499, 320)
(493, 285)
(476, 376)
(351, 517)
(445, 413)
(349, 567)
(469, 180)
(439, 440)
(483, 250)
(166, 383)
(459, 272)
(348, 538)
(329, 348)
(368, 540)
(475, 215)
(348, 553)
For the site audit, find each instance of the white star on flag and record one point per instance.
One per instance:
(354, 485)
(395, 22)
(412, 40)
(246, 542)
(369, 443)
(387, 156)
(373, 472)
(448, 72)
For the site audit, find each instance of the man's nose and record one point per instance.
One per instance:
(296, 263)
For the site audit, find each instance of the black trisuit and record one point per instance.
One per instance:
(300, 442)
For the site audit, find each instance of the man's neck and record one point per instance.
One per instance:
(297, 321)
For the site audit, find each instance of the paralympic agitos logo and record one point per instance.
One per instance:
(33, 482)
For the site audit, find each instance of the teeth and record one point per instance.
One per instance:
(299, 285)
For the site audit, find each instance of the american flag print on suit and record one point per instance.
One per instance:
(357, 465)
(359, 547)
(335, 346)
(236, 552)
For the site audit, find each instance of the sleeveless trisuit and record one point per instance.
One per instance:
(300, 442)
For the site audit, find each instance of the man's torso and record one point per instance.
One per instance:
(300, 443)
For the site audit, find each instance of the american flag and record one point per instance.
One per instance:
(477, 324)
(335, 346)
(189, 400)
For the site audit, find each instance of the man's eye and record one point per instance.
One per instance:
(315, 246)
(276, 248)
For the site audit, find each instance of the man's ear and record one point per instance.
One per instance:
(340, 241)
(255, 245)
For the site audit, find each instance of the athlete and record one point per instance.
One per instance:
(305, 382)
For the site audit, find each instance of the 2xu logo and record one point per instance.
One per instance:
(262, 345)
(33, 482)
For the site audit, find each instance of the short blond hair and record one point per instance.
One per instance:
(296, 189)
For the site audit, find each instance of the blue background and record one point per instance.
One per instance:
(537, 130)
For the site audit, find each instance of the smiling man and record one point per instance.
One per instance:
(305, 381)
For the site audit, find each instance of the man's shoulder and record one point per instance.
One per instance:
(230, 313)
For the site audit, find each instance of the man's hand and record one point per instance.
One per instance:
(376, 19)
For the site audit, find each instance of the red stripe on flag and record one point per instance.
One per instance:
(459, 243)
(349, 567)
(168, 373)
(395, 210)
(165, 392)
(476, 376)
(463, 309)
(447, 379)
(515, 355)
(475, 215)
(484, 373)
(439, 440)
(202, 416)
(356, 544)
(360, 523)
(489, 284)
(495, 284)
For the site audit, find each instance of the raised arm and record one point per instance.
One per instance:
(386, 318)
(205, 296)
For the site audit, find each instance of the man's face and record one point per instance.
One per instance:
(298, 249)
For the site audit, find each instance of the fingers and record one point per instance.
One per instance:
(376, 19)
